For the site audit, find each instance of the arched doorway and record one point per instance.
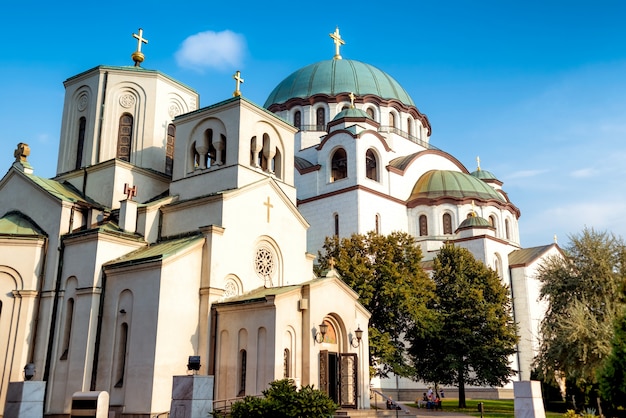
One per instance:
(338, 369)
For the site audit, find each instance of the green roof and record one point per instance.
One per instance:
(527, 255)
(436, 184)
(475, 222)
(16, 223)
(332, 77)
(351, 113)
(155, 252)
(63, 191)
(483, 175)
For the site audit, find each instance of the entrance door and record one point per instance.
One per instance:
(338, 377)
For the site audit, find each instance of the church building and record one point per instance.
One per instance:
(172, 230)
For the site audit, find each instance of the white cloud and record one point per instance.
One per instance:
(220, 50)
(583, 173)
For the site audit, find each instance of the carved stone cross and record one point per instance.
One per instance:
(130, 192)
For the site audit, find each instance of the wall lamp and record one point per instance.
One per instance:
(358, 334)
(193, 365)
(319, 336)
(29, 371)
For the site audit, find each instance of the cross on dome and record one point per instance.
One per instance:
(338, 42)
(352, 97)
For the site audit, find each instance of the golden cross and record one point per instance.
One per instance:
(140, 39)
(352, 96)
(338, 41)
(130, 192)
(478, 162)
(238, 80)
(269, 206)
(331, 263)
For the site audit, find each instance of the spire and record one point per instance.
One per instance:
(138, 56)
(338, 42)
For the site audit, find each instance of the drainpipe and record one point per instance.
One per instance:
(53, 318)
(96, 351)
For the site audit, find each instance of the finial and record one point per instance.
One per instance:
(474, 214)
(352, 97)
(238, 81)
(21, 152)
(478, 162)
(138, 56)
(331, 263)
(338, 42)
(555, 239)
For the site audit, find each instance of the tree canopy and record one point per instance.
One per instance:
(583, 291)
(474, 334)
(612, 375)
(387, 274)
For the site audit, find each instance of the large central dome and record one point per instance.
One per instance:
(335, 76)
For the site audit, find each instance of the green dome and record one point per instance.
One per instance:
(335, 76)
(351, 113)
(483, 175)
(475, 222)
(436, 184)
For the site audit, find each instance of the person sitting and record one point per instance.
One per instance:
(437, 403)
(389, 403)
(421, 403)
(430, 401)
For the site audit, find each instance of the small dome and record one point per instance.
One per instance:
(436, 184)
(484, 175)
(475, 222)
(332, 77)
(351, 113)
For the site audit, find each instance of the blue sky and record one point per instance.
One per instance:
(537, 89)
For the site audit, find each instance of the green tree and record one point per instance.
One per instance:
(475, 334)
(387, 274)
(583, 291)
(612, 376)
(283, 400)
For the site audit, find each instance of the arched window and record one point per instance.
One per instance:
(423, 222)
(297, 119)
(169, 149)
(339, 165)
(336, 224)
(392, 120)
(377, 224)
(243, 363)
(320, 119)
(507, 230)
(82, 122)
(125, 137)
(371, 166)
(409, 126)
(492, 221)
(447, 223)
(122, 346)
(67, 330)
(286, 364)
(370, 112)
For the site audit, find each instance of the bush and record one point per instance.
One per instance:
(284, 400)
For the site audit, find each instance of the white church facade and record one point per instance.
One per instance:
(172, 230)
